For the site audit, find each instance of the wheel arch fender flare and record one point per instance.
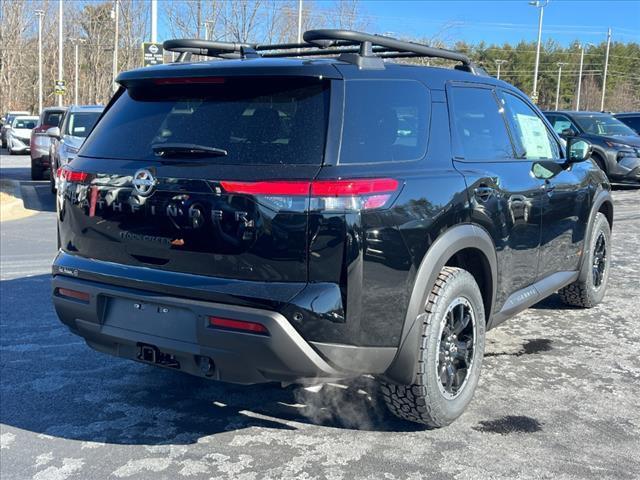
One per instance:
(460, 237)
(601, 199)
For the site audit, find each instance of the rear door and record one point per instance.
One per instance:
(505, 196)
(200, 175)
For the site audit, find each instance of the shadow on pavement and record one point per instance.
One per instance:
(53, 384)
(37, 196)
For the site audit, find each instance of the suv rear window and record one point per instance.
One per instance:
(52, 118)
(79, 124)
(385, 121)
(257, 120)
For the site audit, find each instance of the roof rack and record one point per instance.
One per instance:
(362, 49)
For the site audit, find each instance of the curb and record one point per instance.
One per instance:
(14, 208)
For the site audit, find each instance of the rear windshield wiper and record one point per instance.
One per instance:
(167, 149)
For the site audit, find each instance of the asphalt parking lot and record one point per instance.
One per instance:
(558, 397)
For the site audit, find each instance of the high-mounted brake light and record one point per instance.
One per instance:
(343, 194)
(227, 323)
(187, 80)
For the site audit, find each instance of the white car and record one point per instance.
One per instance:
(19, 135)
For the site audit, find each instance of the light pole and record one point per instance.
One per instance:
(538, 4)
(154, 21)
(499, 63)
(60, 73)
(39, 14)
(582, 47)
(560, 65)
(606, 67)
(76, 47)
(299, 21)
(116, 15)
(207, 25)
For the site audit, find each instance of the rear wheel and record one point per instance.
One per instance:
(589, 292)
(450, 356)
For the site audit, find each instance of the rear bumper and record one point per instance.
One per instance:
(118, 321)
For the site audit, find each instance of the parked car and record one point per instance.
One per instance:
(6, 124)
(616, 147)
(631, 119)
(284, 219)
(41, 142)
(67, 139)
(19, 135)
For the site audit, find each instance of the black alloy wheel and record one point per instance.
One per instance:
(456, 348)
(599, 260)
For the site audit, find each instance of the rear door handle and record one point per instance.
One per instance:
(483, 193)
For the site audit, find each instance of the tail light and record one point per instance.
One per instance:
(69, 175)
(325, 195)
(229, 324)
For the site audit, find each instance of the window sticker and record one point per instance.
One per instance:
(534, 136)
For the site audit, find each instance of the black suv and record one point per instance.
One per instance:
(616, 147)
(259, 218)
(631, 119)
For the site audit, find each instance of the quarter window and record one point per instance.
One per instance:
(479, 125)
(385, 121)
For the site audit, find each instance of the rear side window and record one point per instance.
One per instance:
(255, 120)
(385, 121)
(480, 125)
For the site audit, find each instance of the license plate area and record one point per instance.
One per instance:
(157, 319)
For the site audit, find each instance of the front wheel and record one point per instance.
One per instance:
(590, 291)
(450, 356)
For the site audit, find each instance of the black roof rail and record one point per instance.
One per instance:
(362, 49)
(189, 46)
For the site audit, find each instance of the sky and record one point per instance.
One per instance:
(495, 21)
(507, 21)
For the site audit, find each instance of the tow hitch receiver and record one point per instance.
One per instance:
(151, 354)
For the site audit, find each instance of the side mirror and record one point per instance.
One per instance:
(54, 132)
(568, 133)
(578, 150)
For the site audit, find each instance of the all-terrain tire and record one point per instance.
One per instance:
(423, 401)
(589, 292)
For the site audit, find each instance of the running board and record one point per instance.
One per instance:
(524, 298)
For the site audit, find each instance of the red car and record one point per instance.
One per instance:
(50, 117)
